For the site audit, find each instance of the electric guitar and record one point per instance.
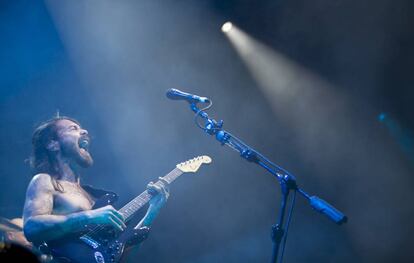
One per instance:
(105, 245)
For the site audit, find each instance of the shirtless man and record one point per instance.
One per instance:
(56, 205)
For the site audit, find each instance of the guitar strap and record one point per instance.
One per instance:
(97, 192)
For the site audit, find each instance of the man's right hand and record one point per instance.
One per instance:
(108, 216)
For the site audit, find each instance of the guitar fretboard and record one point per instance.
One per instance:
(129, 210)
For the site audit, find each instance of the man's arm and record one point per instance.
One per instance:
(160, 194)
(41, 225)
(160, 197)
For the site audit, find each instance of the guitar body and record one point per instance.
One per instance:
(103, 247)
(79, 252)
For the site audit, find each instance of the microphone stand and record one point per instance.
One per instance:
(287, 181)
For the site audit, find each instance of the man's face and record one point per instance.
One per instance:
(74, 142)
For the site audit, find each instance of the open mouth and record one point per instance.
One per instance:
(84, 144)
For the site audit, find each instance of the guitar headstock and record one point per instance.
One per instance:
(191, 166)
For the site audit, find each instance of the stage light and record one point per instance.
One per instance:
(382, 117)
(226, 27)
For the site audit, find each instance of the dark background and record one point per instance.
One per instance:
(109, 63)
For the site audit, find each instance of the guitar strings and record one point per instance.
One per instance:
(100, 227)
(140, 200)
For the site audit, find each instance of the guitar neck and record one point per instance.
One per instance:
(131, 208)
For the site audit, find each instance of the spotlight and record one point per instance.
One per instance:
(382, 117)
(226, 27)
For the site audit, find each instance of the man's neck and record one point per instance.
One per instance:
(66, 172)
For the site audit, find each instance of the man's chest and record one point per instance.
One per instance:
(72, 199)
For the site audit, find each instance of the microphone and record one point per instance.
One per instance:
(176, 94)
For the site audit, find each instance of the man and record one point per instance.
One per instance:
(56, 204)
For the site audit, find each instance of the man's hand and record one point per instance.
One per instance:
(106, 215)
(160, 193)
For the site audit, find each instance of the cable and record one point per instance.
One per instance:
(292, 205)
(198, 115)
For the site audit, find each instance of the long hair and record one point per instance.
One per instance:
(42, 159)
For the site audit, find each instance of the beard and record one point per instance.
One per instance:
(78, 155)
(84, 158)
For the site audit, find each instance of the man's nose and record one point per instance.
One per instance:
(84, 132)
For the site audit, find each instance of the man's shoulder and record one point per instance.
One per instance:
(41, 180)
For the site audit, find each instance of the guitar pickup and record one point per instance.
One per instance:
(89, 241)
